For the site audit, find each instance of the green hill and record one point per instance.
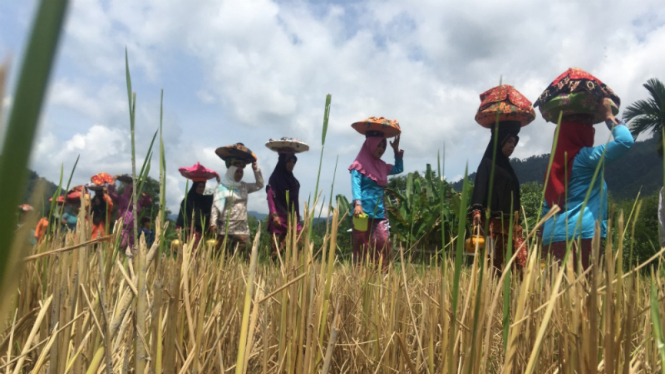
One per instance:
(641, 168)
(33, 179)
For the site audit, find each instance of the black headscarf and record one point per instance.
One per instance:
(198, 205)
(98, 208)
(506, 185)
(282, 180)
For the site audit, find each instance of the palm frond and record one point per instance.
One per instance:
(645, 115)
(657, 90)
(642, 124)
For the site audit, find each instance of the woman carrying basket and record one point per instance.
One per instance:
(369, 178)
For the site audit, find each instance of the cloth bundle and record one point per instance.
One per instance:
(575, 92)
(506, 102)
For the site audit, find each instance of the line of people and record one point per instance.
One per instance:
(575, 100)
(98, 199)
(223, 213)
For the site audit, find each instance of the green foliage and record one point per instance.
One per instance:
(644, 242)
(530, 194)
(415, 204)
(49, 189)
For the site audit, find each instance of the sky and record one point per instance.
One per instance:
(247, 71)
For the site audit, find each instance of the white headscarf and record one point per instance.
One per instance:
(224, 188)
(229, 177)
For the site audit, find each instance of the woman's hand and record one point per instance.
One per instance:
(358, 210)
(476, 218)
(276, 221)
(605, 110)
(255, 166)
(395, 144)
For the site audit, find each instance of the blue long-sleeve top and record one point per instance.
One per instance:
(562, 225)
(370, 193)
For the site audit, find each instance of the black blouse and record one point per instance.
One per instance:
(505, 193)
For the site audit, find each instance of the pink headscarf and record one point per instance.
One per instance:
(367, 165)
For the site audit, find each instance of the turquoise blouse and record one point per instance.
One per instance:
(564, 224)
(370, 193)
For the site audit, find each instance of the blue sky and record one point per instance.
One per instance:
(252, 70)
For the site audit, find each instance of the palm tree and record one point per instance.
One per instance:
(645, 115)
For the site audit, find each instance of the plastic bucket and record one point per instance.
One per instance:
(360, 222)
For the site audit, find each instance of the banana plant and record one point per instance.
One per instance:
(414, 204)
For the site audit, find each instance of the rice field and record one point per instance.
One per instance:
(84, 307)
(75, 305)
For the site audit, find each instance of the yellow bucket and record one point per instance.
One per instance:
(472, 241)
(360, 222)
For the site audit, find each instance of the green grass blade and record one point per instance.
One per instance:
(458, 268)
(22, 125)
(71, 175)
(326, 115)
(162, 173)
(657, 327)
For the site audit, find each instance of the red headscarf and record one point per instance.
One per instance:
(573, 136)
(367, 165)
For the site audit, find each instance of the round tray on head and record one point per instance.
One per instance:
(25, 207)
(388, 127)
(95, 187)
(508, 103)
(287, 145)
(60, 199)
(75, 195)
(236, 151)
(101, 178)
(575, 103)
(198, 173)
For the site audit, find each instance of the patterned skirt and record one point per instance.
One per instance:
(374, 242)
(499, 230)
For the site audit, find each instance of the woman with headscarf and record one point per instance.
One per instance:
(101, 204)
(281, 182)
(229, 211)
(369, 178)
(505, 111)
(195, 211)
(504, 202)
(195, 208)
(101, 207)
(126, 209)
(575, 162)
(72, 206)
